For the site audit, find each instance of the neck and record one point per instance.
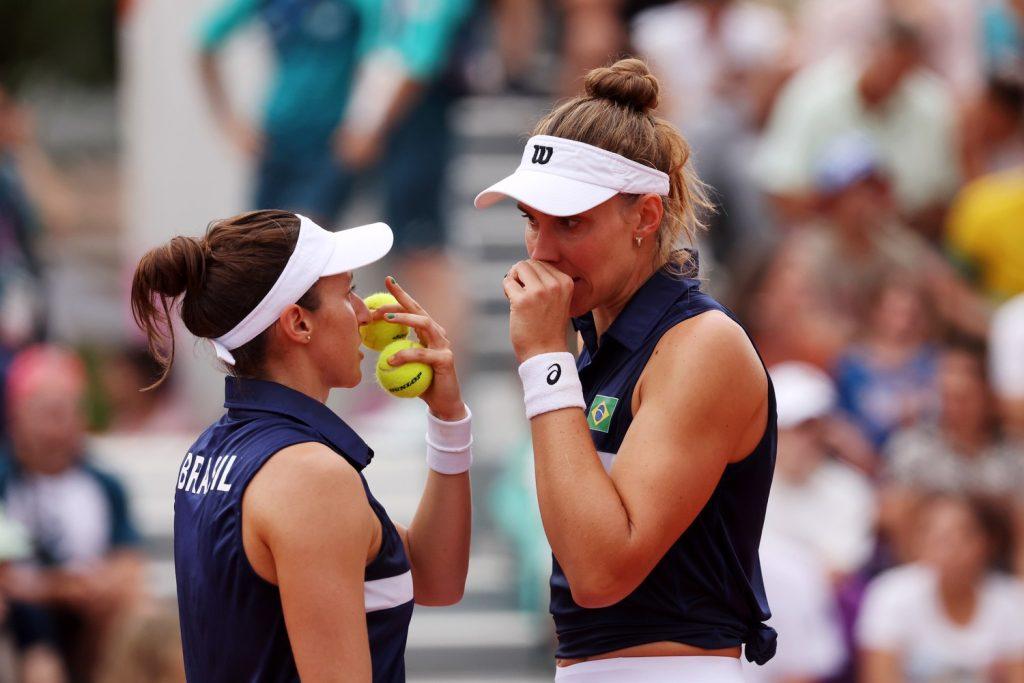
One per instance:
(605, 314)
(958, 599)
(298, 374)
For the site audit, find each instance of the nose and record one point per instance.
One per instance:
(544, 245)
(361, 311)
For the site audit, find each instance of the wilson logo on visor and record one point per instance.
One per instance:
(542, 154)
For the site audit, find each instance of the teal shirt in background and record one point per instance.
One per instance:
(318, 45)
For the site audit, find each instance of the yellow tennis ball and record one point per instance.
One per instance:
(380, 333)
(405, 381)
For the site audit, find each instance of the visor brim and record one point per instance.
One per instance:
(358, 247)
(552, 194)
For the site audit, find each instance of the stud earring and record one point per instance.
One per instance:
(308, 337)
(639, 240)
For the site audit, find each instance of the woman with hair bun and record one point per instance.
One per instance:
(654, 449)
(286, 564)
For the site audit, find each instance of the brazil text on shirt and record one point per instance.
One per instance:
(201, 475)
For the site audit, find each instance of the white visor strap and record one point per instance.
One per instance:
(312, 252)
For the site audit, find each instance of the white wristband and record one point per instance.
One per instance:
(550, 382)
(449, 444)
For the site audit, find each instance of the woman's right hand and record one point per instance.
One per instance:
(444, 396)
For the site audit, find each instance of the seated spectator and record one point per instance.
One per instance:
(823, 505)
(952, 615)
(786, 310)
(889, 96)
(991, 135)
(146, 647)
(886, 381)
(962, 453)
(985, 234)
(948, 30)
(156, 410)
(721, 63)
(84, 573)
(804, 609)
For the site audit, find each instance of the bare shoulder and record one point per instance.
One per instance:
(311, 467)
(710, 344)
(711, 357)
(303, 484)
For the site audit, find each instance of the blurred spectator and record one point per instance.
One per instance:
(146, 647)
(356, 83)
(22, 293)
(822, 505)
(948, 29)
(25, 654)
(992, 128)
(951, 616)
(1006, 364)
(886, 380)
(886, 95)
(861, 241)
(721, 64)
(985, 232)
(85, 572)
(788, 313)
(804, 609)
(1003, 37)
(157, 410)
(962, 453)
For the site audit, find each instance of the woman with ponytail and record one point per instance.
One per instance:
(654, 449)
(286, 564)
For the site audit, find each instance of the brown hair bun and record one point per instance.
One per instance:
(627, 82)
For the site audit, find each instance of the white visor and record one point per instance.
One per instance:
(318, 253)
(564, 177)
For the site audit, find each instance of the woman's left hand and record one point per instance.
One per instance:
(443, 397)
(539, 296)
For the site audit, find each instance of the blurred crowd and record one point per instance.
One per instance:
(867, 161)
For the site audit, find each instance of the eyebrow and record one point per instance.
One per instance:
(527, 210)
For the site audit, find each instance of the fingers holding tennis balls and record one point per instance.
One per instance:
(405, 378)
(440, 387)
(378, 333)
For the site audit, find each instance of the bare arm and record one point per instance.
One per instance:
(437, 541)
(608, 532)
(241, 133)
(878, 666)
(307, 512)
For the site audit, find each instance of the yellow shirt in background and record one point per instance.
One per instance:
(986, 231)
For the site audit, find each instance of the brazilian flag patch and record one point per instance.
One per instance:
(599, 417)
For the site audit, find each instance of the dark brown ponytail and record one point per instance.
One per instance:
(219, 279)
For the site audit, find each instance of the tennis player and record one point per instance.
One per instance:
(654, 449)
(286, 564)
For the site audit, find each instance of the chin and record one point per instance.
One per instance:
(578, 307)
(351, 379)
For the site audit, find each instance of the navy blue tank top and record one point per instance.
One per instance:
(707, 590)
(232, 623)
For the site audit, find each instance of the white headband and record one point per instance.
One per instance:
(318, 253)
(564, 177)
